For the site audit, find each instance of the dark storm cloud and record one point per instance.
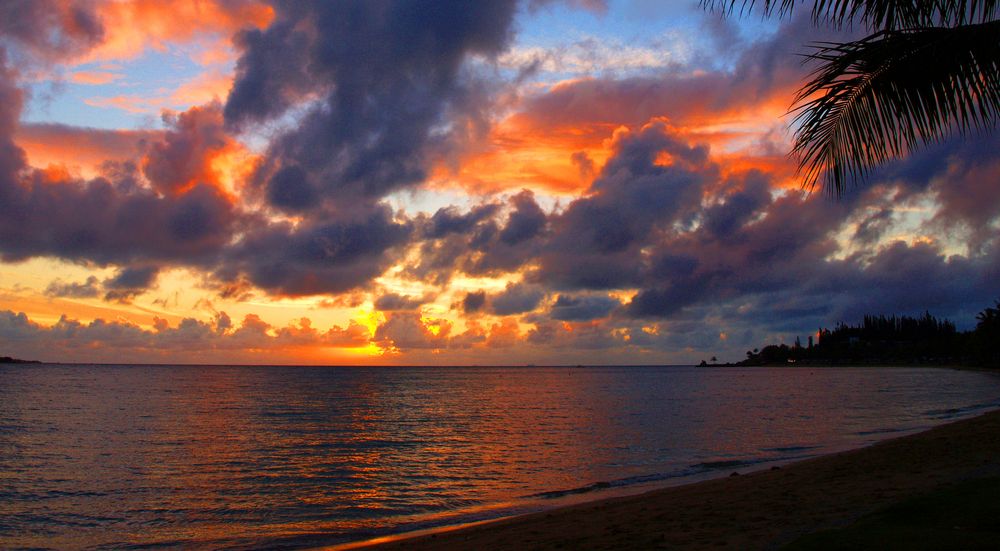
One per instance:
(129, 282)
(449, 220)
(475, 243)
(913, 278)
(11, 99)
(88, 289)
(899, 279)
(517, 298)
(596, 241)
(779, 245)
(318, 257)
(496, 250)
(582, 308)
(291, 190)
(759, 280)
(525, 222)
(666, 299)
(473, 302)
(917, 171)
(727, 217)
(389, 78)
(49, 29)
(122, 287)
(436, 260)
(133, 278)
(393, 301)
(96, 221)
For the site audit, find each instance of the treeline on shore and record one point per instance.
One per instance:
(892, 340)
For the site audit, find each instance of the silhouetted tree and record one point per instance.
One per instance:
(986, 337)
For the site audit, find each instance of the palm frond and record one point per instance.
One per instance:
(875, 99)
(876, 15)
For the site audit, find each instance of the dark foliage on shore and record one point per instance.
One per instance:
(9, 360)
(892, 340)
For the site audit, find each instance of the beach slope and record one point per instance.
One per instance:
(761, 510)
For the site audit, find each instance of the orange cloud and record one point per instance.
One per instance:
(519, 157)
(132, 104)
(557, 140)
(194, 151)
(94, 77)
(47, 310)
(207, 87)
(131, 26)
(504, 334)
(84, 148)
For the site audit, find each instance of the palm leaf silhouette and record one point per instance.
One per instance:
(929, 69)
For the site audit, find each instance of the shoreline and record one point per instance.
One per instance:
(757, 509)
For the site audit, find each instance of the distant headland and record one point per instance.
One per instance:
(889, 340)
(9, 360)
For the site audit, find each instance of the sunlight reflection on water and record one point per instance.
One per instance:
(211, 456)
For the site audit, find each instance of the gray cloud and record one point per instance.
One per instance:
(389, 77)
(525, 222)
(48, 29)
(473, 302)
(394, 301)
(88, 289)
(318, 257)
(516, 299)
(582, 308)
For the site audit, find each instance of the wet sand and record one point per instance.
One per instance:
(760, 510)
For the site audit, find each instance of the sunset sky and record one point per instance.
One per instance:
(577, 182)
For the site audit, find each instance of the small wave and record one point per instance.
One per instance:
(572, 491)
(692, 470)
(789, 449)
(619, 483)
(725, 464)
(887, 430)
(950, 413)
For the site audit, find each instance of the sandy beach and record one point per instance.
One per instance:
(760, 510)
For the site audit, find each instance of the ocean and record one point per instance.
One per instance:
(237, 457)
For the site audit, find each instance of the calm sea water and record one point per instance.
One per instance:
(288, 457)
